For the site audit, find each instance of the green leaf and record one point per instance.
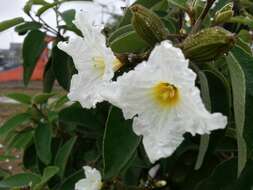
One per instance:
(21, 140)
(45, 8)
(14, 122)
(33, 46)
(42, 98)
(40, 2)
(48, 77)
(43, 139)
(20, 180)
(23, 28)
(20, 97)
(48, 173)
(120, 31)
(182, 4)
(68, 16)
(241, 20)
(119, 143)
(76, 115)
(129, 42)
(63, 67)
(10, 23)
(204, 139)
(69, 182)
(239, 97)
(63, 155)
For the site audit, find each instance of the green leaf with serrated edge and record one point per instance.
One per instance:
(42, 98)
(10, 23)
(63, 155)
(239, 97)
(20, 180)
(33, 46)
(204, 139)
(129, 43)
(14, 122)
(42, 140)
(63, 67)
(20, 97)
(48, 173)
(119, 143)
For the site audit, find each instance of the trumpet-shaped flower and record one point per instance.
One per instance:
(94, 62)
(161, 96)
(93, 180)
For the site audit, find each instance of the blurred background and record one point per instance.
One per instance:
(11, 71)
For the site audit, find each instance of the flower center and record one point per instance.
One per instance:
(99, 63)
(166, 94)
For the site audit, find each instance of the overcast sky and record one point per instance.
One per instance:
(13, 8)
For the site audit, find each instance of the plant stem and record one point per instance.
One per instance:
(202, 16)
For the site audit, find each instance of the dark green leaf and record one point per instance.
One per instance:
(42, 98)
(10, 23)
(128, 42)
(69, 182)
(48, 173)
(22, 139)
(20, 97)
(119, 143)
(23, 28)
(63, 155)
(43, 139)
(14, 122)
(33, 46)
(20, 180)
(239, 97)
(48, 77)
(68, 16)
(45, 8)
(120, 31)
(63, 67)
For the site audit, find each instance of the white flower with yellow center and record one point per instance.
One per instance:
(161, 96)
(94, 62)
(93, 180)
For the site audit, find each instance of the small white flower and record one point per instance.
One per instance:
(94, 62)
(93, 180)
(161, 96)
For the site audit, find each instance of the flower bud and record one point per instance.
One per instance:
(207, 44)
(148, 25)
(224, 14)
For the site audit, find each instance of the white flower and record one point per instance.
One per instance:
(94, 62)
(161, 96)
(93, 180)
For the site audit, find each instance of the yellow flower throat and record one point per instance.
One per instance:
(99, 63)
(166, 94)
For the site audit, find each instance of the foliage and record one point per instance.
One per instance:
(58, 137)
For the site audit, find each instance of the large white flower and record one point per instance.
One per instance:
(93, 180)
(94, 62)
(161, 96)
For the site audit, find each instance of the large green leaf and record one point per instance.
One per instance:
(119, 143)
(246, 62)
(21, 139)
(239, 97)
(33, 46)
(48, 77)
(63, 67)
(76, 115)
(128, 42)
(14, 122)
(10, 23)
(20, 180)
(43, 139)
(63, 155)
